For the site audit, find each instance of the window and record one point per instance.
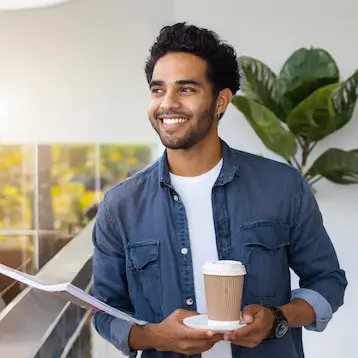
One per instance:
(48, 193)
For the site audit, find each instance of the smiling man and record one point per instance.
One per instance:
(180, 78)
(202, 201)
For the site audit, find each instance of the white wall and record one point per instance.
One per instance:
(271, 31)
(75, 73)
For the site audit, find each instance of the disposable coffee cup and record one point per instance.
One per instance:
(223, 280)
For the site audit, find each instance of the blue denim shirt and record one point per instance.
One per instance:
(264, 215)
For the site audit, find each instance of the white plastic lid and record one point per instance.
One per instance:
(224, 268)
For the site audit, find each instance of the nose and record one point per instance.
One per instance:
(170, 100)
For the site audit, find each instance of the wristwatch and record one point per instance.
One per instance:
(280, 326)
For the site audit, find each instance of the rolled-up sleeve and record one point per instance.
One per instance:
(320, 305)
(110, 283)
(313, 257)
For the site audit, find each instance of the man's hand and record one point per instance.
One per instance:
(172, 335)
(259, 320)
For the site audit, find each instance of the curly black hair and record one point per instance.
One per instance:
(223, 69)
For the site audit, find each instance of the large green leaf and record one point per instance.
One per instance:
(337, 165)
(305, 71)
(258, 82)
(267, 126)
(313, 118)
(344, 100)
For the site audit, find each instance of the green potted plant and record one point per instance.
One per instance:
(294, 110)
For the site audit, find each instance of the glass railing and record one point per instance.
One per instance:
(39, 324)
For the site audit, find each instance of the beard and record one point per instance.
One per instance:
(199, 130)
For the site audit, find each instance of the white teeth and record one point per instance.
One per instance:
(174, 120)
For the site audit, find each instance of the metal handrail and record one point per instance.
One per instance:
(9, 287)
(30, 319)
(75, 335)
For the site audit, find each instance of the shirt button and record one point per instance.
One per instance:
(176, 197)
(184, 250)
(189, 301)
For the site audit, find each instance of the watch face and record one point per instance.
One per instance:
(281, 329)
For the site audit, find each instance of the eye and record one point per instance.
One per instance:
(188, 89)
(156, 90)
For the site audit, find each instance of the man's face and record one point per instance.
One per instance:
(182, 106)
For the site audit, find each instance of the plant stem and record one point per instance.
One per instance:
(312, 147)
(315, 180)
(299, 141)
(305, 153)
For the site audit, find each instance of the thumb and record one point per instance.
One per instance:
(249, 313)
(180, 314)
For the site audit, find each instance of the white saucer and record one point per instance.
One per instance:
(201, 322)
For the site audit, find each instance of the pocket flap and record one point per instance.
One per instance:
(143, 252)
(268, 234)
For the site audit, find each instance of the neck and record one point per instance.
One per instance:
(197, 160)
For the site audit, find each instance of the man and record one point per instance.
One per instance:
(204, 201)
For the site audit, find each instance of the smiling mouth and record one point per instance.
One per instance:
(171, 121)
(172, 124)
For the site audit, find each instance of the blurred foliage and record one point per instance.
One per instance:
(16, 186)
(73, 185)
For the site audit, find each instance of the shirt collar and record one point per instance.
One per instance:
(229, 169)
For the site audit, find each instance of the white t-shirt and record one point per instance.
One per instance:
(195, 193)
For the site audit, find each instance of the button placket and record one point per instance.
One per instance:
(186, 275)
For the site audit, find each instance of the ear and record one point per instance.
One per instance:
(223, 100)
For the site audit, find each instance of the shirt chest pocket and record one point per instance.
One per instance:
(144, 278)
(265, 257)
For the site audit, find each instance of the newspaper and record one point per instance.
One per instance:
(68, 292)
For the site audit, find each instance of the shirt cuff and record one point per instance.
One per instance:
(119, 336)
(320, 305)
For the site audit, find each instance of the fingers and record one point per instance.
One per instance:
(239, 333)
(182, 339)
(198, 333)
(191, 333)
(245, 337)
(250, 335)
(217, 338)
(202, 334)
(249, 312)
(250, 329)
(197, 346)
(181, 314)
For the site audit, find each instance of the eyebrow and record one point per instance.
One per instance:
(179, 82)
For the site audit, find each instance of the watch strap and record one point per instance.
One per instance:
(279, 316)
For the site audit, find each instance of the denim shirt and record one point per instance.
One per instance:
(264, 215)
